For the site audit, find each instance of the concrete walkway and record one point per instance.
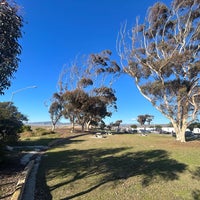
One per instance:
(29, 191)
(26, 185)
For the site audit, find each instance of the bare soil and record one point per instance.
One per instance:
(10, 172)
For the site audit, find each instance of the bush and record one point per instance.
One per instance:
(25, 128)
(42, 131)
(37, 132)
(9, 131)
(11, 122)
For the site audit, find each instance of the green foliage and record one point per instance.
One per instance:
(158, 128)
(116, 123)
(25, 128)
(56, 109)
(10, 32)
(134, 126)
(102, 125)
(42, 131)
(145, 118)
(11, 122)
(82, 107)
(141, 119)
(36, 132)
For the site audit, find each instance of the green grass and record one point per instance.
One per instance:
(121, 167)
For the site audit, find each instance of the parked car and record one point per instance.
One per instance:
(189, 135)
(165, 132)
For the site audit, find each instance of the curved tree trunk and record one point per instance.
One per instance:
(53, 127)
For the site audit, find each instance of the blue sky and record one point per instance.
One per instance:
(55, 31)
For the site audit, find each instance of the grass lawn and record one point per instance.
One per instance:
(122, 167)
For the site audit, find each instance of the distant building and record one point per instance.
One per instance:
(196, 130)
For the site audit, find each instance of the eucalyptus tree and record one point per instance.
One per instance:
(117, 123)
(162, 54)
(10, 31)
(141, 119)
(74, 106)
(102, 104)
(82, 84)
(56, 109)
(84, 108)
(149, 118)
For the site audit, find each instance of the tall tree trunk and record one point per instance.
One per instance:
(53, 127)
(180, 131)
(182, 135)
(82, 127)
(73, 124)
(87, 126)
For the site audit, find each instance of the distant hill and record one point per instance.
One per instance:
(46, 123)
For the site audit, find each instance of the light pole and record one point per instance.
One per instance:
(19, 90)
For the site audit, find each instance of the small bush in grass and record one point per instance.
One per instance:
(26, 128)
(38, 132)
(42, 131)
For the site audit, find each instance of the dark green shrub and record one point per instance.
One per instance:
(11, 121)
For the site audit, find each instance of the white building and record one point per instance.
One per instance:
(196, 130)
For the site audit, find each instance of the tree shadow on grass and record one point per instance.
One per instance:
(69, 140)
(39, 141)
(111, 166)
(196, 194)
(42, 190)
(51, 141)
(196, 175)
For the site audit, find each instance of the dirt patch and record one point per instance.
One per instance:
(10, 172)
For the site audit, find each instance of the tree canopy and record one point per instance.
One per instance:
(142, 119)
(163, 56)
(10, 31)
(56, 109)
(85, 95)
